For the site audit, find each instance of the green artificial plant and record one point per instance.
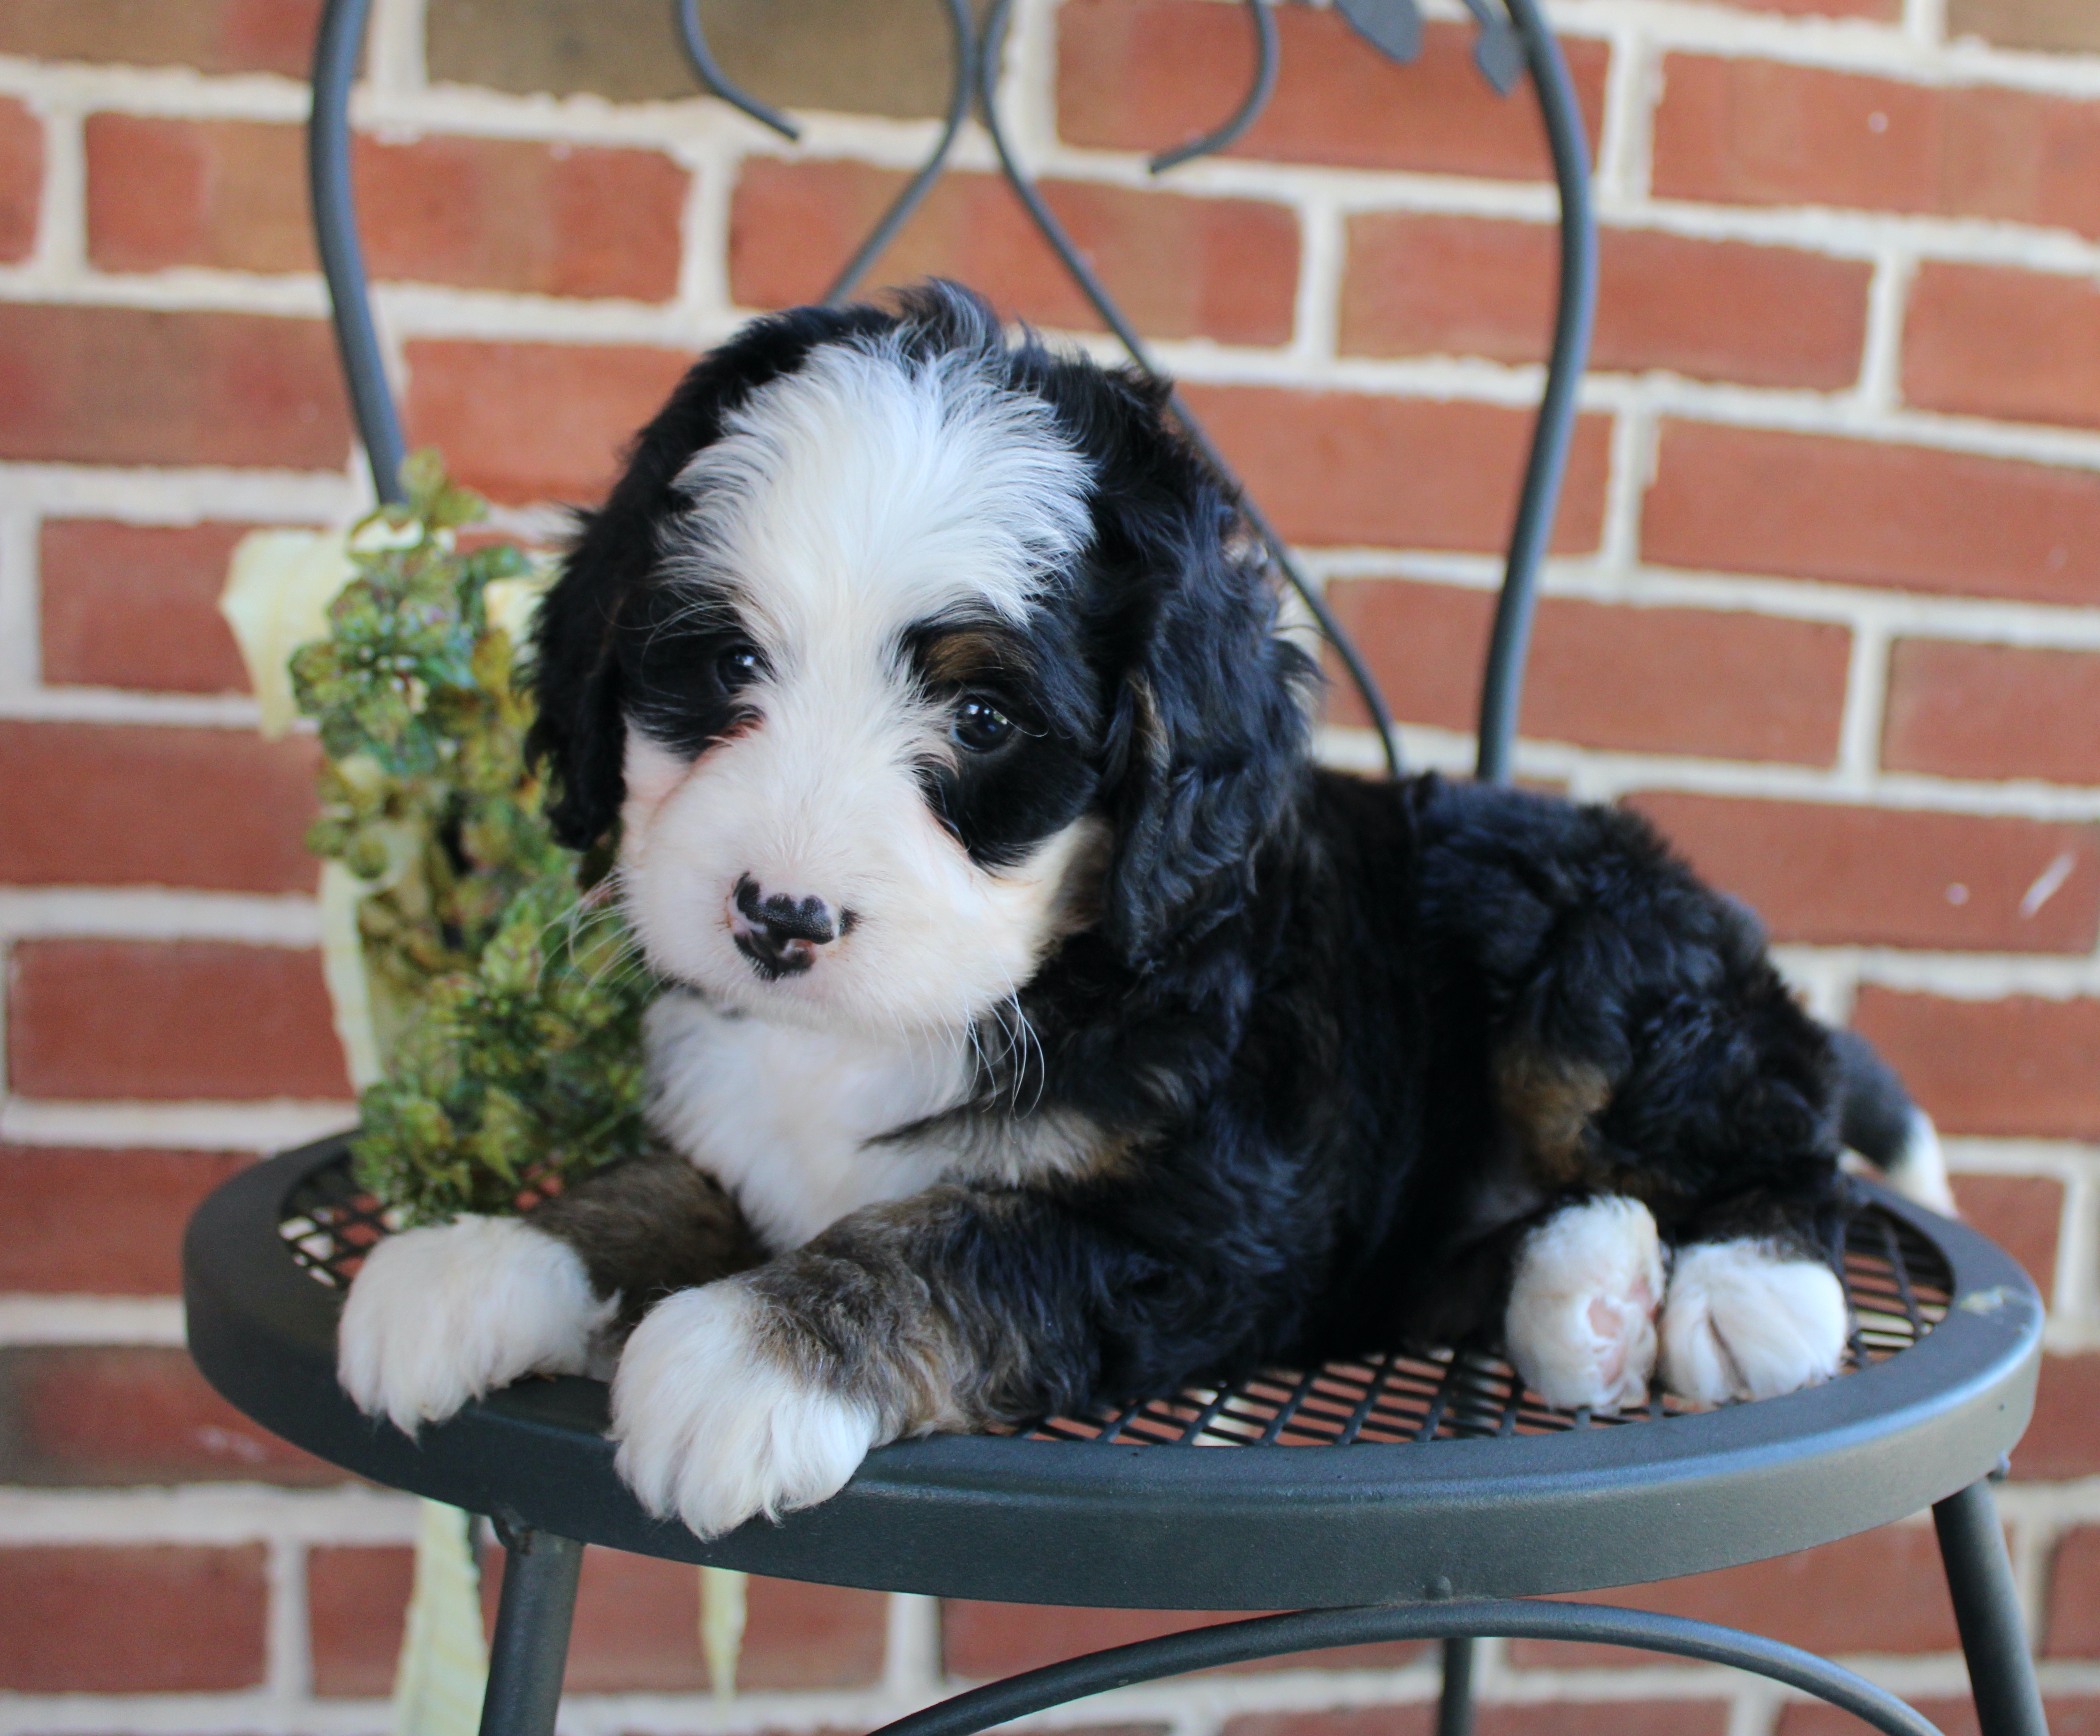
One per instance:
(505, 994)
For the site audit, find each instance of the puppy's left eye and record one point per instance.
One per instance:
(739, 667)
(980, 726)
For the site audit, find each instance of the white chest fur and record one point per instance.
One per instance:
(782, 1117)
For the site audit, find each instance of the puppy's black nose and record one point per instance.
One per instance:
(779, 934)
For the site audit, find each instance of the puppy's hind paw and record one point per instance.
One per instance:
(1744, 1319)
(716, 1426)
(438, 1315)
(1581, 1325)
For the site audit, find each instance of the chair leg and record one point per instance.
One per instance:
(1454, 1703)
(531, 1650)
(1987, 1610)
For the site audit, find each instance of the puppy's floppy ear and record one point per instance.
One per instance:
(1207, 738)
(580, 733)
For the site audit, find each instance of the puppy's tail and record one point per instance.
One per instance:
(1879, 1122)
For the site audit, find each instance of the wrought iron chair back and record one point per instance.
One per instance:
(1503, 51)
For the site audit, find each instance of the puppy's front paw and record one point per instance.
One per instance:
(1745, 1321)
(1580, 1326)
(438, 1315)
(715, 1424)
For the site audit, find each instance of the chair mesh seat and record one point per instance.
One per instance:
(1897, 1283)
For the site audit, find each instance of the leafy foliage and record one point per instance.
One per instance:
(506, 1000)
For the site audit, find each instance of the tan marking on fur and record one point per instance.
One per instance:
(1051, 1145)
(1151, 738)
(1077, 906)
(860, 1310)
(964, 654)
(1549, 1102)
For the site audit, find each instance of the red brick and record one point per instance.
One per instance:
(1828, 875)
(1630, 1718)
(101, 1222)
(1347, 468)
(135, 1619)
(1992, 712)
(2022, 158)
(2072, 1629)
(94, 1415)
(1425, 643)
(802, 1636)
(637, 1624)
(981, 1641)
(1833, 1600)
(1418, 285)
(1887, 11)
(2019, 1066)
(2058, 26)
(496, 214)
(171, 1021)
(126, 385)
(2018, 345)
(213, 36)
(1140, 75)
(804, 55)
(1418, 1718)
(526, 422)
(124, 804)
(21, 179)
(1181, 268)
(637, 1630)
(2061, 1441)
(355, 1600)
(1766, 688)
(1761, 132)
(1951, 1717)
(2023, 1215)
(2066, 1717)
(1856, 512)
(547, 219)
(137, 605)
(230, 195)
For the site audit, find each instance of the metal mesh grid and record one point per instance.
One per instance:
(1897, 1282)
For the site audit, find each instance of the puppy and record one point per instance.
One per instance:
(1045, 1026)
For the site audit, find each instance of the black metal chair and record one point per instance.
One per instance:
(1447, 1497)
(1393, 1497)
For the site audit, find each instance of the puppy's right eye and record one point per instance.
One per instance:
(980, 726)
(739, 667)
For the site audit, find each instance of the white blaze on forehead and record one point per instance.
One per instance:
(869, 491)
(864, 495)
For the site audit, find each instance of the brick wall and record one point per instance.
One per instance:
(1826, 603)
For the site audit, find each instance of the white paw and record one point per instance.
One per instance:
(714, 1427)
(1580, 1326)
(438, 1315)
(1745, 1320)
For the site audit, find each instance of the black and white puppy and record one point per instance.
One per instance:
(1048, 1028)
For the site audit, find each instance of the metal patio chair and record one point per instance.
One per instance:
(1392, 1497)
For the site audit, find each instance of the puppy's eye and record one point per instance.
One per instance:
(980, 726)
(739, 667)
